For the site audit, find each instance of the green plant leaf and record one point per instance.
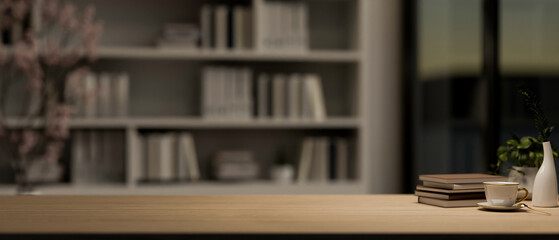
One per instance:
(513, 142)
(525, 143)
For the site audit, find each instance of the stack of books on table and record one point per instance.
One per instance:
(453, 190)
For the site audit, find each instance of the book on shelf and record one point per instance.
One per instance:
(242, 21)
(455, 196)
(120, 95)
(305, 159)
(278, 96)
(179, 35)
(206, 27)
(104, 95)
(263, 97)
(450, 203)
(342, 158)
(225, 27)
(187, 153)
(235, 165)
(461, 178)
(221, 27)
(152, 164)
(315, 95)
(322, 159)
(97, 157)
(227, 93)
(170, 156)
(167, 157)
(282, 26)
(104, 101)
(294, 97)
(89, 103)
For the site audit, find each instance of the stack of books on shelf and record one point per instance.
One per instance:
(169, 157)
(227, 94)
(453, 190)
(235, 165)
(283, 26)
(97, 156)
(226, 27)
(179, 35)
(103, 95)
(324, 159)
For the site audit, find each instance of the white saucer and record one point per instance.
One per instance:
(486, 205)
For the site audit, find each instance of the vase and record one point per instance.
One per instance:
(283, 174)
(23, 185)
(525, 180)
(545, 184)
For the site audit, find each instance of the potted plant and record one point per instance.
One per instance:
(282, 172)
(526, 153)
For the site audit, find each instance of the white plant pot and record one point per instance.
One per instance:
(526, 181)
(284, 174)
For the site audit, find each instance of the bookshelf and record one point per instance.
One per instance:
(165, 95)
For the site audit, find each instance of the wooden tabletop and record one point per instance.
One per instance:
(378, 214)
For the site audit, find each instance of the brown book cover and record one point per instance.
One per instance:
(461, 178)
(450, 203)
(451, 196)
(448, 191)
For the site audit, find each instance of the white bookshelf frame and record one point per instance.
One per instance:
(359, 122)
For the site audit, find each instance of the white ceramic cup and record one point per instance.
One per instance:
(503, 193)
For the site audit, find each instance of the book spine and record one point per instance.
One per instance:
(305, 160)
(231, 28)
(246, 96)
(104, 103)
(94, 153)
(78, 158)
(248, 32)
(318, 107)
(341, 159)
(192, 157)
(121, 95)
(279, 96)
(90, 100)
(295, 100)
(182, 164)
(221, 27)
(263, 95)
(239, 28)
(332, 155)
(153, 167)
(206, 26)
(166, 157)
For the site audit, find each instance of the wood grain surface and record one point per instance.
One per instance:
(383, 214)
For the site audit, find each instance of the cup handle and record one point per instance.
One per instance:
(525, 196)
